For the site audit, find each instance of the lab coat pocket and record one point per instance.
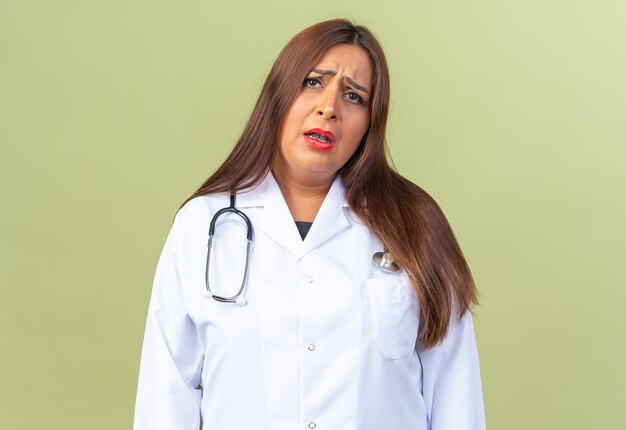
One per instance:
(395, 316)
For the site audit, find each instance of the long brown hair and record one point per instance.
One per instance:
(409, 223)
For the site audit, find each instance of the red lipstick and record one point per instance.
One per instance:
(322, 140)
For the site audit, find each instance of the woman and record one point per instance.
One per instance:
(317, 335)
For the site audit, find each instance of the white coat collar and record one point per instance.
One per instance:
(276, 220)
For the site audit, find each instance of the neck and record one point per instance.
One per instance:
(304, 194)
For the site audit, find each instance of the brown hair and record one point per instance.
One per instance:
(409, 223)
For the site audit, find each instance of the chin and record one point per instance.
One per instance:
(317, 163)
(312, 167)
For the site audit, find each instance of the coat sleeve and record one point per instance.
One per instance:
(169, 389)
(451, 380)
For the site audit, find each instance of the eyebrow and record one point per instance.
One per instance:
(347, 78)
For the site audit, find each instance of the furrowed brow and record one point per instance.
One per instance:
(325, 72)
(348, 79)
(357, 86)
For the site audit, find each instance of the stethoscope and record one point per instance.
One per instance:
(380, 259)
(237, 298)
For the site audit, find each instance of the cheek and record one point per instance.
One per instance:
(296, 115)
(358, 130)
(290, 128)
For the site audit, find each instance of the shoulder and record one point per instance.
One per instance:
(201, 208)
(193, 218)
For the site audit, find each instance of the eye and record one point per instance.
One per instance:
(354, 97)
(311, 82)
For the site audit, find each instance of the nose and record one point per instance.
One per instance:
(327, 106)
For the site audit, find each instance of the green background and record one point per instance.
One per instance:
(510, 113)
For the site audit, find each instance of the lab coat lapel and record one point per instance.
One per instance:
(276, 220)
(329, 221)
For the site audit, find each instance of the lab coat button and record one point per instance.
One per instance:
(311, 348)
(309, 279)
(311, 425)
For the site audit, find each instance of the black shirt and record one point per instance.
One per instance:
(303, 228)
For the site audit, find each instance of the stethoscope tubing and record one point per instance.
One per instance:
(237, 298)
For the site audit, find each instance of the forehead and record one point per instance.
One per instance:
(350, 60)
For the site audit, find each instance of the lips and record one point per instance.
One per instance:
(323, 136)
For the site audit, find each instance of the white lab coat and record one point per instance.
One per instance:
(326, 340)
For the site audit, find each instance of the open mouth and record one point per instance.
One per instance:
(324, 136)
(321, 137)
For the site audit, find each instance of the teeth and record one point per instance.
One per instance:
(320, 137)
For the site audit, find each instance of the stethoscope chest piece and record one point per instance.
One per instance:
(384, 262)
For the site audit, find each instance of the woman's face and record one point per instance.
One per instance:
(335, 100)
